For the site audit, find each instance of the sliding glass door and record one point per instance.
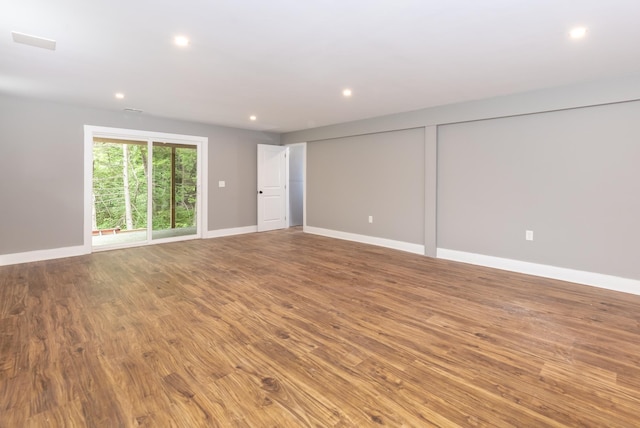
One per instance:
(143, 191)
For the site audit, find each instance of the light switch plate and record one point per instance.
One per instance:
(221, 184)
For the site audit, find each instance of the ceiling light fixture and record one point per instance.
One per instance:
(346, 93)
(181, 41)
(253, 118)
(119, 95)
(578, 32)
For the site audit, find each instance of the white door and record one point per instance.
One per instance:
(272, 187)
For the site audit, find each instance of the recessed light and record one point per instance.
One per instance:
(253, 118)
(119, 95)
(181, 41)
(578, 32)
(346, 93)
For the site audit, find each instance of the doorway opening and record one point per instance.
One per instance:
(143, 188)
(297, 179)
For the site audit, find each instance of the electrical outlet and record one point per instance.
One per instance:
(370, 219)
(528, 235)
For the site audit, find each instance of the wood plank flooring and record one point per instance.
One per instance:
(286, 329)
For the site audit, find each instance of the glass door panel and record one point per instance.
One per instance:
(174, 190)
(119, 210)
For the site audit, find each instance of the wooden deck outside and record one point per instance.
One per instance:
(125, 237)
(288, 329)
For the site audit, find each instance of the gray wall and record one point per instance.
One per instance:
(349, 179)
(42, 171)
(296, 185)
(562, 162)
(573, 177)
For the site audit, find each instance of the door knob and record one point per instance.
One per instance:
(260, 192)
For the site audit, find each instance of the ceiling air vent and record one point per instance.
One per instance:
(38, 42)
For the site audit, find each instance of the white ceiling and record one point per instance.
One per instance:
(287, 61)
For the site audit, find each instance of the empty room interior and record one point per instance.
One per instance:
(320, 213)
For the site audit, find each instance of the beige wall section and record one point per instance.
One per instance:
(382, 175)
(42, 171)
(572, 177)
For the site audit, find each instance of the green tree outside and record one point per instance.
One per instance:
(109, 192)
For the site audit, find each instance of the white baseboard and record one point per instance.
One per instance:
(364, 239)
(608, 282)
(39, 255)
(232, 231)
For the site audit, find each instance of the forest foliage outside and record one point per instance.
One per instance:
(120, 186)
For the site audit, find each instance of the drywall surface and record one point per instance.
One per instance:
(42, 170)
(296, 184)
(561, 162)
(571, 177)
(379, 175)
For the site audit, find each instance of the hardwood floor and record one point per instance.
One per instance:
(286, 329)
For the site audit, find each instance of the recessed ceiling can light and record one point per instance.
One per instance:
(578, 32)
(181, 41)
(253, 118)
(119, 95)
(346, 93)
